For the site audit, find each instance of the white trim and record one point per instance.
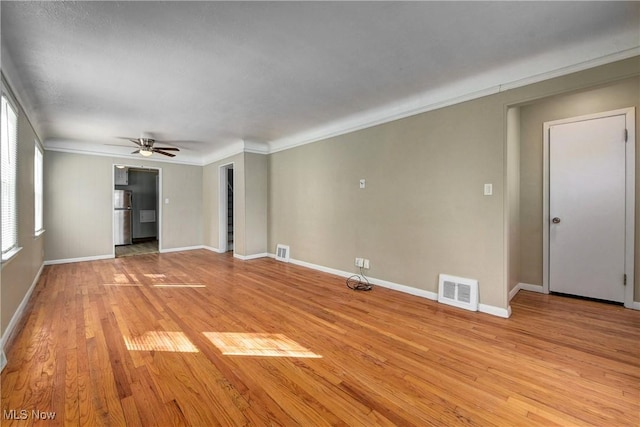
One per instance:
(533, 288)
(573, 68)
(513, 292)
(249, 257)
(212, 249)
(19, 313)
(495, 311)
(223, 182)
(473, 88)
(50, 146)
(80, 259)
(525, 287)
(186, 248)
(484, 308)
(630, 157)
(224, 153)
(635, 305)
(629, 269)
(9, 256)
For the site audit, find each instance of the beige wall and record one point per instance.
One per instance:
(79, 210)
(256, 188)
(422, 212)
(19, 273)
(616, 95)
(513, 197)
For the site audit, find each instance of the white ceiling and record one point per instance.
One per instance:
(219, 77)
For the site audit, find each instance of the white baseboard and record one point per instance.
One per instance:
(212, 249)
(248, 257)
(495, 311)
(635, 305)
(186, 248)
(484, 308)
(533, 288)
(513, 292)
(524, 287)
(17, 316)
(82, 259)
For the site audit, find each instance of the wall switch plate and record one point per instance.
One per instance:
(488, 189)
(363, 183)
(166, 201)
(366, 264)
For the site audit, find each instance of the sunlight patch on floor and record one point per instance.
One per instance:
(122, 279)
(161, 341)
(179, 285)
(122, 284)
(258, 344)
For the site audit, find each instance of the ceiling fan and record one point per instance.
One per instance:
(146, 147)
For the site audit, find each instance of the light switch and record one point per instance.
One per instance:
(488, 189)
(166, 201)
(363, 183)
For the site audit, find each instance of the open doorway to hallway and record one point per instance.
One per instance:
(136, 211)
(225, 214)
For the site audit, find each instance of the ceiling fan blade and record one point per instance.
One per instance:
(128, 138)
(167, 148)
(155, 150)
(135, 152)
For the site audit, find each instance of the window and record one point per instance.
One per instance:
(8, 158)
(37, 190)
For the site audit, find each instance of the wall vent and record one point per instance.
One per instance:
(282, 253)
(458, 292)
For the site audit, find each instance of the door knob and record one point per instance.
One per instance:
(556, 220)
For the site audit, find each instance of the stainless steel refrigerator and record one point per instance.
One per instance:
(122, 217)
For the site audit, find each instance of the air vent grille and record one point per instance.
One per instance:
(282, 253)
(458, 292)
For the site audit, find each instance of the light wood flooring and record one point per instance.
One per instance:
(202, 339)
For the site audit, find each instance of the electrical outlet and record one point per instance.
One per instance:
(366, 264)
(359, 262)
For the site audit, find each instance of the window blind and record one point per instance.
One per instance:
(37, 190)
(8, 149)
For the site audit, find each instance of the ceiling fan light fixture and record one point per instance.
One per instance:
(146, 152)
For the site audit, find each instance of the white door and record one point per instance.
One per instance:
(587, 208)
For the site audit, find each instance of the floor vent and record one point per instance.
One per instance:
(282, 253)
(458, 291)
(3, 360)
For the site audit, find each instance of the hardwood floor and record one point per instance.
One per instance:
(202, 339)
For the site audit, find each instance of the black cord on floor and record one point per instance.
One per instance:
(359, 282)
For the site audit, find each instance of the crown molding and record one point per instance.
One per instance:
(479, 86)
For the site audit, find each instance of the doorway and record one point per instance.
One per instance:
(225, 211)
(137, 219)
(589, 206)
